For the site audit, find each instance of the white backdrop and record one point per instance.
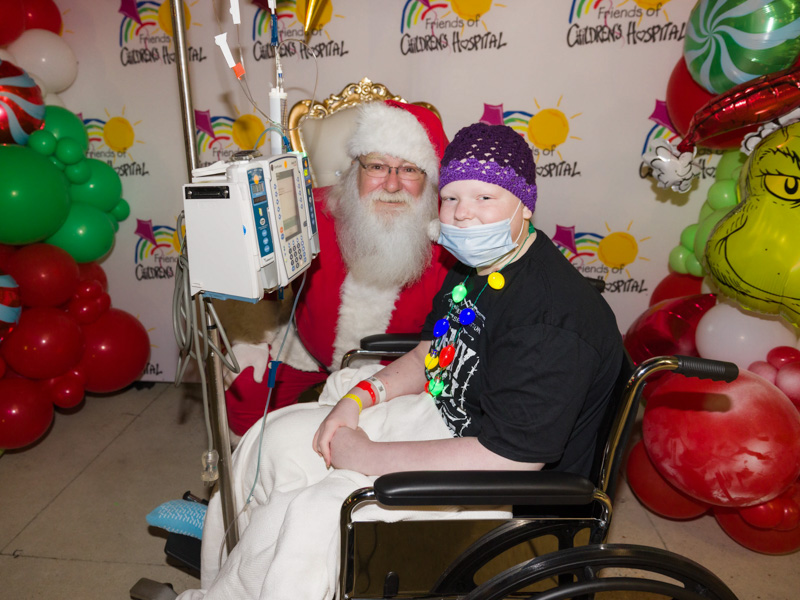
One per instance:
(577, 78)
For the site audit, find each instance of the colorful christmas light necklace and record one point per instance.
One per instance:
(440, 357)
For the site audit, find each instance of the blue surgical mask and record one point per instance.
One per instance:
(479, 245)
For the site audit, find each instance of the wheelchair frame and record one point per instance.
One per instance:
(546, 503)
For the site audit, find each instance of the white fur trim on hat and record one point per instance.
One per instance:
(390, 130)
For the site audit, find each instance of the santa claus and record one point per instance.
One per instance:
(377, 270)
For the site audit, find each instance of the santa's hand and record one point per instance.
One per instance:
(248, 355)
(344, 414)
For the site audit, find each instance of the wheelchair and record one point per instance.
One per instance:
(561, 518)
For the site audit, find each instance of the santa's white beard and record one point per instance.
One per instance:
(384, 249)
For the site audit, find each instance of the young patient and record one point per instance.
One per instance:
(517, 363)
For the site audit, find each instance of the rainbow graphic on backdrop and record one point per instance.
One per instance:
(417, 10)
(584, 245)
(94, 127)
(659, 132)
(153, 238)
(287, 11)
(581, 8)
(518, 120)
(137, 16)
(222, 130)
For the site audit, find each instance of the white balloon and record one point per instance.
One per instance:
(6, 55)
(40, 84)
(54, 100)
(727, 332)
(46, 55)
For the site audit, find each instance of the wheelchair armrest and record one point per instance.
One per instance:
(390, 342)
(472, 488)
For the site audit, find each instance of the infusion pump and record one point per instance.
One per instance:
(250, 225)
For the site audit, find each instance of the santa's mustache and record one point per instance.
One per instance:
(398, 197)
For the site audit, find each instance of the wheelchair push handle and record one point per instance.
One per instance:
(689, 366)
(704, 368)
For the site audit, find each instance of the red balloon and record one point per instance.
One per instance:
(685, 97)
(728, 444)
(47, 275)
(655, 492)
(788, 381)
(65, 391)
(25, 412)
(766, 541)
(42, 14)
(13, 22)
(763, 369)
(667, 327)
(767, 515)
(676, 285)
(2, 367)
(93, 271)
(781, 355)
(6, 252)
(45, 343)
(87, 310)
(117, 349)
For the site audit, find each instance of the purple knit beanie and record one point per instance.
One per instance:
(495, 154)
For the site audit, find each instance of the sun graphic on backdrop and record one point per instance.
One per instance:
(549, 128)
(165, 16)
(319, 23)
(649, 5)
(247, 130)
(618, 249)
(118, 133)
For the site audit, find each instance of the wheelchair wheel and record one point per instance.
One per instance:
(654, 574)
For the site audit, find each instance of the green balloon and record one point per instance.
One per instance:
(705, 210)
(65, 124)
(43, 142)
(722, 194)
(728, 163)
(121, 211)
(33, 196)
(704, 229)
(87, 234)
(687, 236)
(677, 259)
(102, 190)
(56, 163)
(69, 151)
(78, 173)
(694, 267)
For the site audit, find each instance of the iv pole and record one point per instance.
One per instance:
(213, 366)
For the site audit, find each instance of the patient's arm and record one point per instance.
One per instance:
(406, 375)
(355, 451)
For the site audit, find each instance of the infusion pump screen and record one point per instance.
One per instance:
(287, 196)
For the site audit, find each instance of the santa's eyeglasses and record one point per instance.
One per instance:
(378, 170)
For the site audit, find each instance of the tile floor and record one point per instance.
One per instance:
(72, 507)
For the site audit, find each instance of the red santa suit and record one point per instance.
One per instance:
(334, 310)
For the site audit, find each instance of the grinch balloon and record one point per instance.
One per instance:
(753, 254)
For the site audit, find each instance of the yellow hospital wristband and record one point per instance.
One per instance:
(357, 399)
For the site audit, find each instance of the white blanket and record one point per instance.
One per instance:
(289, 533)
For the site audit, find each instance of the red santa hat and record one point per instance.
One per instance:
(405, 131)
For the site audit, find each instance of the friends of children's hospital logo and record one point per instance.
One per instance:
(145, 33)
(291, 18)
(111, 139)
(607, 256)
(630, 22)
(220, 136)
(547, 128)
(156, 252)
(455, 26)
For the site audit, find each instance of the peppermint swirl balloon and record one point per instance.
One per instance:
(21, 105)
(10, 306)
(729, 42)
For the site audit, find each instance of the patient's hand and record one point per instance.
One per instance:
(344, 414)
(350, 449)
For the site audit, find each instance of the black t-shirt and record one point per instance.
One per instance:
(533, 373)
